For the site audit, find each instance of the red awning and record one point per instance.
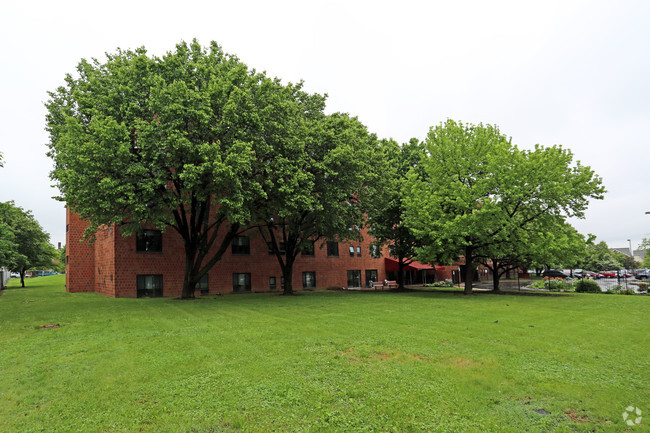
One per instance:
(392, 265)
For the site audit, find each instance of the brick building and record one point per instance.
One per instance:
(153, 265)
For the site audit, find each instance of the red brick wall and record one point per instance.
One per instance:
(170, 263)
(105, 262)
(80, 260)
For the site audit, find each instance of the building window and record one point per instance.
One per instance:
(351, 251)
(272, 283)
(67, 259)
(371, 277)
(202, 285)
(308, 250)
(358, 251)
(241, 283)
(332, 249)
(67, 228)
(241, 245)
(282, 282)
(149, 241)
(309, 280)
(374, 251)
(282, 245)
(150, 286)
(354, 278)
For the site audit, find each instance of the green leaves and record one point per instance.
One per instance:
(475, 189)
(23, 243)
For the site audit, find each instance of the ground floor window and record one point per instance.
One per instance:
(371, 277)
(241, 283)
(202, 285)
(272, 283)
(354, 278)
(150, 286)
(309, 280)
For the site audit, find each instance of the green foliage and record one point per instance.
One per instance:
(187, 141)
(600, 258)
(23, 242)
(477, 195)
(307, 181)
(442, 284)
(553, 285)
(587, 286)
(385, 201)
(620, 290)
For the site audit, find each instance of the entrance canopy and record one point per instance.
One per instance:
(392, 265)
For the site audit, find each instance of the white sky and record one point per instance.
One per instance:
(575, 73)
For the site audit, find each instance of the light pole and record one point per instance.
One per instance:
(631, 256)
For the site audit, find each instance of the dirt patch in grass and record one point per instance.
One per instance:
(50, 325)
(576, 417)
(354, 356)
(461, 363)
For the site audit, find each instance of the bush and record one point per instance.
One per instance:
(587, 286)
(553, 285)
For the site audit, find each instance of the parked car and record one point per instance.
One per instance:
(554, 273)
(642, 274)
(591, 274)
(15, 275)
(608, 274)
(578, 273)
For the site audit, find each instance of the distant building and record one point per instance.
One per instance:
(625, 251)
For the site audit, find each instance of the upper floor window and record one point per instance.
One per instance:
(358, 251)
(241, 245)
(282, 246)
(351, 251)
(149, 241)
(332, 249)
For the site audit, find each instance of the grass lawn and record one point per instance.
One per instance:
(322, 362)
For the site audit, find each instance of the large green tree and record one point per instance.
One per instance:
(27, 244)
(178, 141)
(479, 190)
(385, 205)
(315, 185)
(600, 258)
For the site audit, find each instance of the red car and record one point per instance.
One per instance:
(608, 274)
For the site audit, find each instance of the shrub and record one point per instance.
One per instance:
(553, 285)
(587, 286)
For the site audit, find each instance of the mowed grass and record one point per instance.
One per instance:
(321, 362)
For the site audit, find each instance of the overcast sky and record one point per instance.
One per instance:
(575, 73)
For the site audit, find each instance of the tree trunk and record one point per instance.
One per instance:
(189, 280)
(22, 278)
(400, 273)
(469, 270)
(496, 278)
(288, 279)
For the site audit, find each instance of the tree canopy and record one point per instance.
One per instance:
(480, 195)
(315, 186)
(385, 205)
(193, 141)
(24, 244)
